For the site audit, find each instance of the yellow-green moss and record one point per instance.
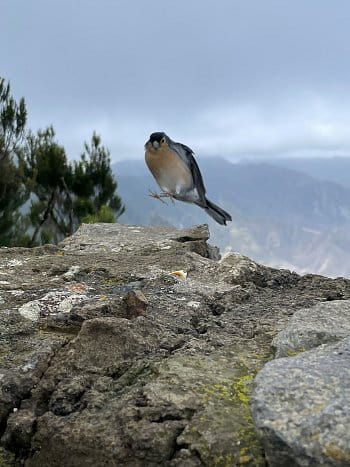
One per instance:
(334, 451)
(229, 390)
(235, 396)
(241, 388)
(58, 253)
(293, 352)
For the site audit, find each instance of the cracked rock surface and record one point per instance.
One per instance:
(137, 346)
(302, 407)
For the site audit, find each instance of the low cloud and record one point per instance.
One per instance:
(304, 126)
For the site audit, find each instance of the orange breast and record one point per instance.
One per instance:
(169, 170)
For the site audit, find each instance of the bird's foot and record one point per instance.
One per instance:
(161, 195)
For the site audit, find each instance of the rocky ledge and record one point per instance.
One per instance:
(138, 346)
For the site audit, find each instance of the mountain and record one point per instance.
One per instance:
(336, 169)
(281, 217)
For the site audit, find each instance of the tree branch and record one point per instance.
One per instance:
(47, 212)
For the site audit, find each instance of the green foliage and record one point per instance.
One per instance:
(94, 185)
(67, 194)
(13, 117)
(51, 210)
(43, 196)
(105, 214)
(13, 192)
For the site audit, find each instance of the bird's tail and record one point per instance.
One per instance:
(216, 213)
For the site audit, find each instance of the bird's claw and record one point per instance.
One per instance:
(161, 195)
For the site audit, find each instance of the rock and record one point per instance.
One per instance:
(301, 406)
(106, 358)
(20, 429)
(326, 322)
(135, 303)
(243, 269)
(30, 310)
(71, 273)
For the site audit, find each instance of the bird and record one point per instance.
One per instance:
(177, 173)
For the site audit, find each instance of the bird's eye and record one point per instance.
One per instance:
(162, 140)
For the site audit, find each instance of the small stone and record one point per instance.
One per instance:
(71, 273)
(193, 304)
(67, 304)
(30, 310)
(136, 303)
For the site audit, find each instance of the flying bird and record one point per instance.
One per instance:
(176, 171)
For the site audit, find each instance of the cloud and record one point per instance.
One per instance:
(235, 78)
(306, 125)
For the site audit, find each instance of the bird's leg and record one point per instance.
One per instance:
(161, 195)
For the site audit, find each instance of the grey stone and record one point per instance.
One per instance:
(301, 406)
(87, 383)
(326, 322)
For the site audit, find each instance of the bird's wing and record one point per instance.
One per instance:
(186, 155)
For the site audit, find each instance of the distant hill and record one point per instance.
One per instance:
(281, 217)
(335, 169)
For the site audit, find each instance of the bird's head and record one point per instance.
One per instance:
(157, 140)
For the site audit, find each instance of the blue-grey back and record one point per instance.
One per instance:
(187, 156)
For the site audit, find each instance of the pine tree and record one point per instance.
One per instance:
(94, 186)
(61, 194)
(13, 192)
(47, 171)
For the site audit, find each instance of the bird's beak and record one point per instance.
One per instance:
(155, 144)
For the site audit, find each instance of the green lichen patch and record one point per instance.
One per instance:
(116, 280)
(231, 414)
(217, 389)
(293, 352)
(336, 452)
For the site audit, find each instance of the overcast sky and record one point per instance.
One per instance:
(233, 78)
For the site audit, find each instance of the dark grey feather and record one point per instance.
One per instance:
(187, 156)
